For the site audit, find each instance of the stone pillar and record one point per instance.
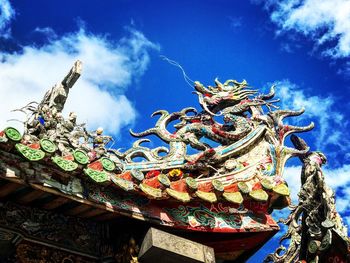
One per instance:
(160, 246)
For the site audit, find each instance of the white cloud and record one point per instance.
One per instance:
(48, 32)
(339, 180)
(7, 13)
(292, 176)
(330, 123)
(98, 96)
(326, 22)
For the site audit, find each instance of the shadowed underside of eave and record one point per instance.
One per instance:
(18, 191)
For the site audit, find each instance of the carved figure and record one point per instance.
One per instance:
(99, 141)
(57, 96)
(312, 221)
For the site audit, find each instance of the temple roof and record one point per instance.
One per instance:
(247, 164)
(220, 168)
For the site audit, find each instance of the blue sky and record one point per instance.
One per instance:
(302, 46)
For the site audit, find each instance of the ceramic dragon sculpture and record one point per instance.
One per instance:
(249, 144)
(241, 115)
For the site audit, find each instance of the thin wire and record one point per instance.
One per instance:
(110, 147)
(188, 80)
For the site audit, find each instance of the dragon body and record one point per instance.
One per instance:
(196, 127)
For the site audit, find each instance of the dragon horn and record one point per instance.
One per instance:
(268, 96)
(294, 129)
(279, 115)
(189, 109)
(138, 143)
(218, 83)
(235, 82)
(160, 112)
(244, 93)
(144, 133)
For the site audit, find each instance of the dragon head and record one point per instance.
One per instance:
(215, 98)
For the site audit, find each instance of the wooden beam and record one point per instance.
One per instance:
(86, 203)
(107, 216)
(77, 210)
(8, 189)
(29, 197)
(55, 203)
(92, 212)
(71, 197)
